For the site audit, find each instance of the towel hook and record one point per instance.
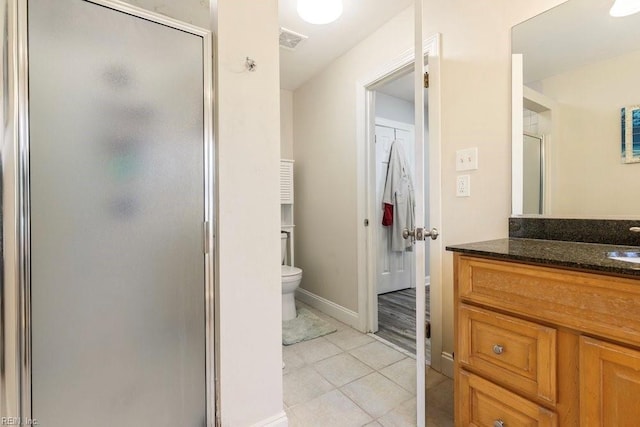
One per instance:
(251, 64)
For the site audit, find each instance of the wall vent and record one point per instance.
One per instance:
(290, 39)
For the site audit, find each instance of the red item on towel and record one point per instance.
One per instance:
(387, 216)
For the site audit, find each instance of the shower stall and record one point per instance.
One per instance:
(107, 173)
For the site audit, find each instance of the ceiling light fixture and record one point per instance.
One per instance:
(624, 8)
(319, 11)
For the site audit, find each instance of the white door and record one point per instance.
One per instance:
(395, 270)
(428, 212)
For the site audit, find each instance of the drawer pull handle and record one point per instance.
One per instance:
(498, 349)
(498, 423)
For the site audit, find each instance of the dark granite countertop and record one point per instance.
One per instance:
(573, 255)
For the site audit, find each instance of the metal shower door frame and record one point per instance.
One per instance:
(15, 284)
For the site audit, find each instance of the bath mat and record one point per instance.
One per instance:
(306, 326)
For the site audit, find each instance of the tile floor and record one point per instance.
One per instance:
(351, 379)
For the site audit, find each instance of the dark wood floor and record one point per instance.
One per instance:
(397, 319)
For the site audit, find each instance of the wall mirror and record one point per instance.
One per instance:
(576, 113)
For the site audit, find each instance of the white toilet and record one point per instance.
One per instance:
(291, 277)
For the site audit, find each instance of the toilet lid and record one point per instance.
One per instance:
(287, 270)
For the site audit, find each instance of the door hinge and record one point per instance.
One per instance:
(366, 222)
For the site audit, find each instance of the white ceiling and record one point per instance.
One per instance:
(572, 34)
(328, 42)
(402, 87)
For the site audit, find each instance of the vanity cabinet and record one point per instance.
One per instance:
(544, 346)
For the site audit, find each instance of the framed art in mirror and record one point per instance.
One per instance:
(630, 123)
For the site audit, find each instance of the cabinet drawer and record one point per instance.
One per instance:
(484, 404)
(603, 305)
(513, 352)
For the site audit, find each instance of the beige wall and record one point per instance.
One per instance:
(476, 111)
(588, 177)
(325, 154)
(248, 139)
(286, 124)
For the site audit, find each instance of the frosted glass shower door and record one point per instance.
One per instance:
(117, 210)
(532, 174)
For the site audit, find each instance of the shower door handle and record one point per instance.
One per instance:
(420, 233)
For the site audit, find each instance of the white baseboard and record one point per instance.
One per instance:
(334, 310)
(278, 420)
(447, 364)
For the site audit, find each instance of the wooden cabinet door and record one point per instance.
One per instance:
(609, 384)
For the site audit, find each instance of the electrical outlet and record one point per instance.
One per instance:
(463, 186)
(467, 159)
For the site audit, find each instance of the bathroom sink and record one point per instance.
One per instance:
(626, 256)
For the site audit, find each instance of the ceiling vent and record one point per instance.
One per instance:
(290, 39)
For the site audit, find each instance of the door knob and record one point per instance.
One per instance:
(433, 233)
(420, 233)
(406, 233)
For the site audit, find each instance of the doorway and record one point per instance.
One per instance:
(367, 294)
(395, 280)
(533, 172)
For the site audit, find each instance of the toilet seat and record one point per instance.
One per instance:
(287, 270)
(289, 273)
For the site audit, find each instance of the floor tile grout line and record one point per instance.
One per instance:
(347, 351)
(394, 346)
(382, 367)
(356, 347)
(343, 351)
(394, 408)
(391, 409)
(374, 418)
(359, 378)
(355, 379)
(413, 392)
(356, 403)
(339, 388)
(399, 349)
(347, 397)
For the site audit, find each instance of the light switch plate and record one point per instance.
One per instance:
(467, 159)
(463, 186)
